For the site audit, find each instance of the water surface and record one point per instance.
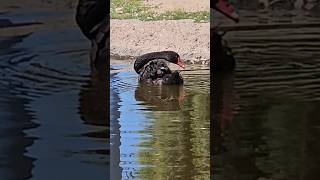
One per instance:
(159, 132)
(267, 111)
(52, 111)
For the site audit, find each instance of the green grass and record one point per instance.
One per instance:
(134, 9)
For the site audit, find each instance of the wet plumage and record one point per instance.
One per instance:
(153, 68)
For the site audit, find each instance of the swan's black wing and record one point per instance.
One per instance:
(153, 70)
(157, 72)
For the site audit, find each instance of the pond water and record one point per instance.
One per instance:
(159, 132)
(267, 112)
(53, 113)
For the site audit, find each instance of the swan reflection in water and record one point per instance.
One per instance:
(93, 101)
(223, 94)
(222, 117)
(161, 98)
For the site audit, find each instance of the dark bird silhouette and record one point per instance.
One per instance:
(223, 59)
(222, 56)
(93, 19)
(153, 68)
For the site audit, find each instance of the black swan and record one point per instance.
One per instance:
(93, 19)
(153, 69)
(223, 59)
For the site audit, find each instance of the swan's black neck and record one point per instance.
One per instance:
(217, 51)
(222, 59)
(169, 56)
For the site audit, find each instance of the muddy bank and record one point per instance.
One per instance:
(132, 38)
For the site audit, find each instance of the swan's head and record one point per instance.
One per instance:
(179, 62)
(226, 9)
(173, 57)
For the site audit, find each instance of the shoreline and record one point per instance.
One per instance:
(130, 60)
(130, 38)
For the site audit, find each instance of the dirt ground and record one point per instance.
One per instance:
(191, 40)
(185, 5)
(133, 38)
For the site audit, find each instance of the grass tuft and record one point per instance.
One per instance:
(134, 9)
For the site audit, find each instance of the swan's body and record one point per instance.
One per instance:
(93, 19)
(157, 72)
(153, 68)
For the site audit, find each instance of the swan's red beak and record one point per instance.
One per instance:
(179, 63)
(223, 7)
